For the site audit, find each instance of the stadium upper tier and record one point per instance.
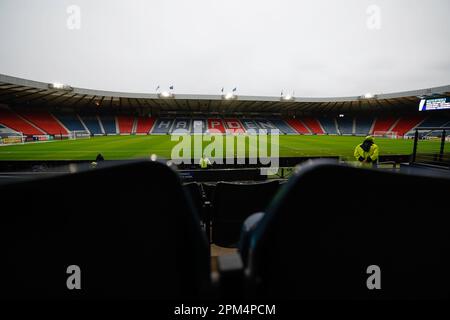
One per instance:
(61, 124)
(20, 92)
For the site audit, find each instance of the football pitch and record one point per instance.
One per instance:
(134, 147)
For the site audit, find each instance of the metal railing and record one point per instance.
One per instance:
(439, 157)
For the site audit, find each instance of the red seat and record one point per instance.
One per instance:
(125, 123)
(298, 126)
(383, 125)
(406, 124)
(216, 126)
(45, 121)
(13, 121)
(234, 126)
(313, 125)
(144, 124)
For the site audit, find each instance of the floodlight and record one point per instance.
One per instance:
(287, 97)
(229, 96)
(60, 86)
(166, 95)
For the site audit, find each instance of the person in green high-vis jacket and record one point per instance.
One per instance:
(367, 152)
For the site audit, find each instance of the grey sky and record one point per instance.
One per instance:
(317, 48)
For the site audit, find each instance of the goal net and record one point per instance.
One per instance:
(79, 134)
(386, 134)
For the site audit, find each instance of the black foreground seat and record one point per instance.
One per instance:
(233, 203)
(331, 222)
(129, 228)
(195, 192)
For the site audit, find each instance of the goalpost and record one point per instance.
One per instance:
(79, 134)
(386, 134)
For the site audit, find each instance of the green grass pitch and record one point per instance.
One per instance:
(132, 147)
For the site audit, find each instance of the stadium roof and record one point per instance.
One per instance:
(17, 92)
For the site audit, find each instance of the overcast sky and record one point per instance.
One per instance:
(315, 48)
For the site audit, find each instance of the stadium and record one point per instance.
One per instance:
(308, 127)
(172, 191)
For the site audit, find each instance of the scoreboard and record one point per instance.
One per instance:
(434, 104)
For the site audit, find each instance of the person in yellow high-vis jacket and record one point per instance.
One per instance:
(367, 152)
(204, 162)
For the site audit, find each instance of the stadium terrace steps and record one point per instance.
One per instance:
(45, 121)
(125, 124)
(233, 125)
(215, 125)
(298, 126)
(144, 125)
(39, 123)
(198, 125)
(109, 124)
(163, 125)
(17, 123)
(283, 126)
(434, 121)
(249, 124)
(5, 131)
(404, 125)
(92, 123)
(313, 125)
(181, 125)
(266, 124)
(329, 125)
(345, 125)
(70, 121)
(383, 124)
(363, 126)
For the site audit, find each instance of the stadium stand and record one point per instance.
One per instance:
(109, 124)
(313, 125)
(283, 126)
(162, 126)
(198, 125)
(329, 125)
(405, 124)
(383, 124)
(144, 125)
(249, 124)
(181, 124)
(216, 124)
(350, 232)
(434, 121)
(266, 124)
(233, 126)
(39, 123)
(45, 121)
(70, 121)
(125, 124)
(363, 125)
(92, 123)
(123, 251)
(228, 216)
(345, 125)
(298, 126)
(12, 120)
(5, 132)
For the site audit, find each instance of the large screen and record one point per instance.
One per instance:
(434, 104)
